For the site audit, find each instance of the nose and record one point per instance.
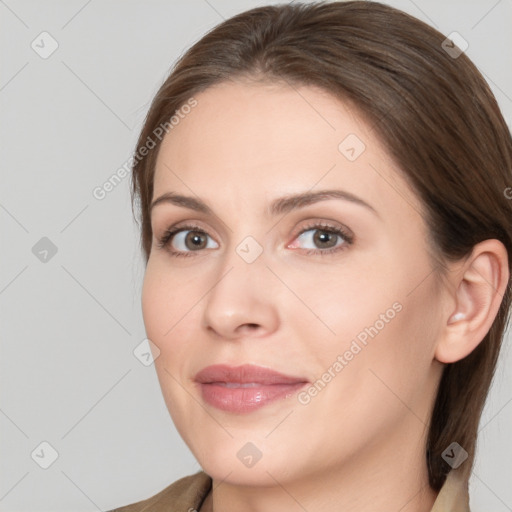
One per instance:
(241, 302)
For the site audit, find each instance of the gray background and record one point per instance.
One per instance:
(69, 324)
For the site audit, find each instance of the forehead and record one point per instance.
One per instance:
(259, 140)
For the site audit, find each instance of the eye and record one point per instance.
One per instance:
(185, 239)
(325, 237)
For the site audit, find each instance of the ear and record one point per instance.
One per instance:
(477, 289)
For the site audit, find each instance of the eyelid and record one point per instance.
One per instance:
(328, 225)
(170, 233)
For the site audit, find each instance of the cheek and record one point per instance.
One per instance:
(152, 303)
(161, 308)
(375, 319)
(395, 362)
(345, 301)
(164, 306)
(164, 296)
(169, 308)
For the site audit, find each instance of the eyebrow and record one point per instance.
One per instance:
(279, 206)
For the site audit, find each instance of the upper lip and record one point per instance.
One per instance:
(244, 374)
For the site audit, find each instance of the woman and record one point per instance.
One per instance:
(327, 232)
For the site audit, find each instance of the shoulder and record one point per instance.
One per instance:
(187, 492)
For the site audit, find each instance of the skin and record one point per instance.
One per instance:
(358, 444)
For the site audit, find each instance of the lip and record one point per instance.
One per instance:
(245, 388)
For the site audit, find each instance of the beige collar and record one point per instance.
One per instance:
(454, 495)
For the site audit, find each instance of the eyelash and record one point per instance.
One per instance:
(166, 238)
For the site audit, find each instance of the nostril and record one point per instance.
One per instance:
(248, 328)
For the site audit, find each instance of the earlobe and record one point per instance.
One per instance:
(479, 288)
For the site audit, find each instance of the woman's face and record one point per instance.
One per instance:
(259, 279)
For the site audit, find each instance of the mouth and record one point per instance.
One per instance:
(245, 388)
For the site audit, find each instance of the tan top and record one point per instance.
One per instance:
(189, 493)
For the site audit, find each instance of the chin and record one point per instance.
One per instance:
(260, 475)
(238, 461)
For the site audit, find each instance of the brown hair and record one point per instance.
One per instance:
(432, 110)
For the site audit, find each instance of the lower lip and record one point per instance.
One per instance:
(248, 399)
